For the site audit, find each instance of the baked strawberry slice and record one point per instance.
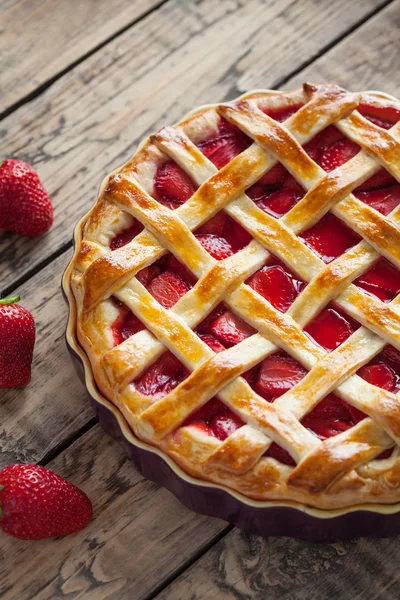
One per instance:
(274, 177)
(162, 377)
(379, 374)
(392, 353)
(126, 236)
(177, 267)
(147, 274)
(205, 326)
(218, 247)
(383, 200)
(168, 288)
(280, 454)
(222, 425)
(173, 184)
(230, 329)
(215, 225)
(276, 203)
(125, 325)
(330, 417)
(227, 143)
(330, 238)
(275, 285)
(236, 236)
(383, 281)
(330, 329)
(381, 179)
(206, 412)
(338, 154)
(323, 140)
(277, 375)
(329, 407)
(383, 116)
(292, 184)
(212, 342)
(329, 427)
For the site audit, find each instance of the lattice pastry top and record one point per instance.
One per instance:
(237, 285)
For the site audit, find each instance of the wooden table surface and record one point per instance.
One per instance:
(81, 83)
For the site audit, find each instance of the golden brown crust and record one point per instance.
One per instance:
(335, 473)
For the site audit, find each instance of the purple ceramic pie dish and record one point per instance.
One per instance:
(158, 160)
(255, 517)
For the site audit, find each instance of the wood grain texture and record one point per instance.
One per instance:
(366, 60)
(139, 536)
(90, 121)
(39, 417)
(244, 567)
(40, 39)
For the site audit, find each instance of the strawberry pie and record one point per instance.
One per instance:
(237, 295)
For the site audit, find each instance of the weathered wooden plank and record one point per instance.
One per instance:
(36, 419)
(253, 568)
(366, 60)
(139, 536)
(91, 119)
(40, 40)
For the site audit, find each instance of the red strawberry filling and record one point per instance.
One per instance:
(125, 325)
(215, 225)
(383, 200)
(218, 247)
(231, 329)
(173, 185)
(381, 179)
(168, 288)
(227, 142)
(330, 238)
(276, 285)
(212, 342)
(331, 327)
(162, 377)
(222, 236)
(330, 417)
(316, 147)
(236, 235)
(384, 117)
(126, 236)
(281, 114)
(338, 154)
(383, 281)
(216, 419)
(379, 374)
(278, 374)
(276, 192)
(274, 177)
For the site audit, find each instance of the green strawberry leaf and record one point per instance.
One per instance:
(12, 300)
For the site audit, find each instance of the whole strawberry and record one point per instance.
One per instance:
(37, 503)
(25, 207)
(17, 339)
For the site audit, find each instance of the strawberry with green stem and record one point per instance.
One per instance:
(17, 340)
